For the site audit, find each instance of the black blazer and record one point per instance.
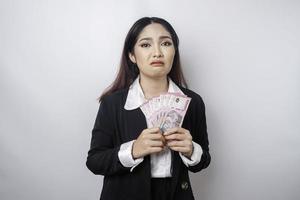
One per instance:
(114, 126)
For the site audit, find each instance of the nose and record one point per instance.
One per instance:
(157, 51)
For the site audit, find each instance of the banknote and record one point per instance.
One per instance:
(166, 111)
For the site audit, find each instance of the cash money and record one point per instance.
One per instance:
(166, 111)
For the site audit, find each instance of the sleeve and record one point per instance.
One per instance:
(199, 133)
(103, 157)
(125, 156)
(195, 158)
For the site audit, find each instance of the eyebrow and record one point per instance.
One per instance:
(161, 37)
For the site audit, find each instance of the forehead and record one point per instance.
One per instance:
(154, 30)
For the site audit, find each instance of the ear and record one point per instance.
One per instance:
(131, 57)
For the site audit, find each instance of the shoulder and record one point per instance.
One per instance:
(196, 99)
(117, 98)
(192, 94)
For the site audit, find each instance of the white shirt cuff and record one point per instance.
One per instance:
(195, 158)
(125, 156)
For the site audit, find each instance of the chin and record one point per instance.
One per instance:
(158, 75)
(153, 75)
(157, 72)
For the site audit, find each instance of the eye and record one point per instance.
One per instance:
(145, 45)
(167, 43)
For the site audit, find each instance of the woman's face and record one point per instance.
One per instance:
(153, 52)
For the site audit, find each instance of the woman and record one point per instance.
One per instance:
(140, 162)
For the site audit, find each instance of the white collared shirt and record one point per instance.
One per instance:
(160, 162)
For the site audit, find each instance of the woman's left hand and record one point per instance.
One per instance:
(179, 139)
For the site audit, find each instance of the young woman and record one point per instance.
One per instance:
(139, 162)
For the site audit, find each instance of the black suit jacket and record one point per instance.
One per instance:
(114, 126)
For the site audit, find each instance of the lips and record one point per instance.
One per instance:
(157, 63)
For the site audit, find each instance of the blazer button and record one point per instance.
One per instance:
(184, 185)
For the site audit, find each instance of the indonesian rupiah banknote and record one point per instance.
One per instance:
(166, 111)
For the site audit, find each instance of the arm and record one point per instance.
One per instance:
(195, 158)
(125, 156)
(103, 157)
(199, 132)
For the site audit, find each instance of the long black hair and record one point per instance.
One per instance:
(128, 71)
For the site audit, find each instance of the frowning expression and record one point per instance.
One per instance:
(154, 51)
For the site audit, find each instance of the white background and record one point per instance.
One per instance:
(242, 57)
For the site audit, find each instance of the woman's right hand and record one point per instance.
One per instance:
(149, 141)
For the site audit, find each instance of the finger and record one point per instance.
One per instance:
(164, 141)
(176, 129)
(176, 136)
(153, 130)
(156, 143)
(155, 149)
(171, 131)
(157, 136)
(180, 149)
(175, 143)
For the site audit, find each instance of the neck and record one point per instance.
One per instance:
(153, 87)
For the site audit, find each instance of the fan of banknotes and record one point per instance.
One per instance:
(166, 111)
